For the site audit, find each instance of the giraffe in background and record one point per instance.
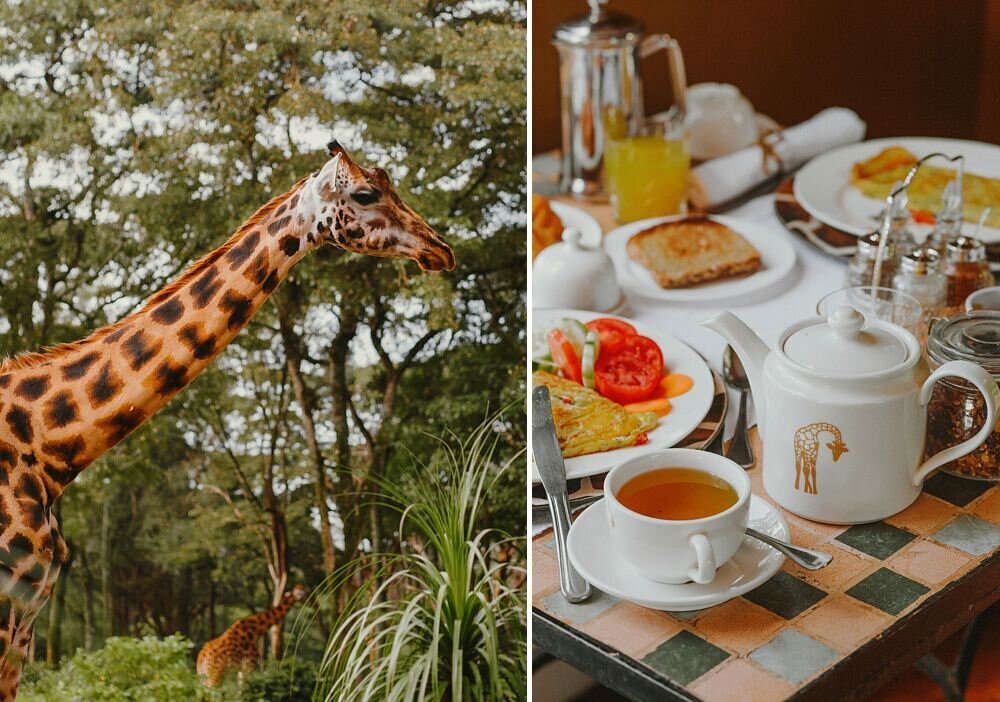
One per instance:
(237, 646)
(63, 408)
(807, 452)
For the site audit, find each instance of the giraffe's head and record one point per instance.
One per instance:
(298, 592)
(359, 211)
(837, 448)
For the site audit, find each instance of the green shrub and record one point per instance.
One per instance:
(291, 680)
(125, 670)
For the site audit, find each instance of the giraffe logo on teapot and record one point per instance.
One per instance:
(807, 452)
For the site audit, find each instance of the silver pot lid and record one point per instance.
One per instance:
(599, 27)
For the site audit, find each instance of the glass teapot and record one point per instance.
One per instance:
(601, 89)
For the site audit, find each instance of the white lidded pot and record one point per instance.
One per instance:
(569, 274)
(842, 413)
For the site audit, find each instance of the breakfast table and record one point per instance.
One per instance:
(895, 588)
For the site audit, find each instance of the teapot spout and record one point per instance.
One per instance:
(751, 350)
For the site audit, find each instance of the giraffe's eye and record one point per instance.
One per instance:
(366, 197)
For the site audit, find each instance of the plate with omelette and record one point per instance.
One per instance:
(846, 188)
(618, 388)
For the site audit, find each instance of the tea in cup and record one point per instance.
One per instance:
(677, 514)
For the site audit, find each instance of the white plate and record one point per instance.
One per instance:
(578, 219)
(686, 412)
(823, 186)
(776, 253)
(596, 559)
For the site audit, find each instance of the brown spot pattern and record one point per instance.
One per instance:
(61, 410)
(278, 224)
(138, 351)
(169, 377)
(121, 424)
(106, 385)
(78, 368)
(169, 312)
(32, 388)
(201, 346)
(290, 245)
(239, 308)
(19, 421)
(238, 255)
(205, 288)
(258, 270)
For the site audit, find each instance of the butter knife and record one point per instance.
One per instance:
(552, 470)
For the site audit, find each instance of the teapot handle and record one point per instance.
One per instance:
(678, 77)
(985, 383)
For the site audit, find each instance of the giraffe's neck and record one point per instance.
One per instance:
(67, 407)
(262, 621)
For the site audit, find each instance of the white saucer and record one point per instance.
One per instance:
(593, 555)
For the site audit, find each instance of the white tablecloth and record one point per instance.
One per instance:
(767, 313)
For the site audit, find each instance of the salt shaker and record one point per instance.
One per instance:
(966, 269)
(861, 267)
(920, 275)
(948, 221)
(900, 235)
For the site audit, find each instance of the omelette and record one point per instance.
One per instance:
(587, 422)
(876, 176)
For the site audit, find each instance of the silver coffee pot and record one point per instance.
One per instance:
(601, 90)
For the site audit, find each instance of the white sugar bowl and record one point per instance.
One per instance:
(569, 274)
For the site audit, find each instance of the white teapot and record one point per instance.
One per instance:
(842, 412)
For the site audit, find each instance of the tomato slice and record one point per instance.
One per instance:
(612, 332)
(565, 356)
(632, 372)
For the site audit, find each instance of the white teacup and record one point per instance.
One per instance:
(984, 299)
(677, 551)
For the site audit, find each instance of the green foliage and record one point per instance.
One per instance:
(291, 680)
(125, 670)
(456, 630)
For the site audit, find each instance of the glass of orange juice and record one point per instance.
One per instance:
(647, 171)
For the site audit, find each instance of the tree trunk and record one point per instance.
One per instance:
(109, 613)
(289, 303)
(53, 636)
(88, 602)
(211, 608)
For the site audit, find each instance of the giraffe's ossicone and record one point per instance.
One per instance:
(806, 445)
(65, 407)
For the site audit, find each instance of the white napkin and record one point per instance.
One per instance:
(726, 177)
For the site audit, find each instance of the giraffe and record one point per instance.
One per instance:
(807, 451)
(237, 646)
(62, 408)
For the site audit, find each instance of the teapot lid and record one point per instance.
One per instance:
(845, 345)
(600, 26)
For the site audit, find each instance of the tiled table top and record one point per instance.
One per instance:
(893, 591)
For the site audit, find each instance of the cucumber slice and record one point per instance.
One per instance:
(591, 348)
(545, 364)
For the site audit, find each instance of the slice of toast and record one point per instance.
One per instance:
(692, 251)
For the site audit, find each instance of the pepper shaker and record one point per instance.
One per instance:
(966, 269)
